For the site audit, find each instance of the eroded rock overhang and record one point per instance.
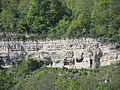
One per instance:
(70, 53)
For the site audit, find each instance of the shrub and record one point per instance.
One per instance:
(29, 64)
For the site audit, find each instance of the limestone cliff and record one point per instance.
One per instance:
(71, 53)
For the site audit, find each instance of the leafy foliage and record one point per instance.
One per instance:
(46, 78)
(62, 18)
(29, 65)
(5, 80)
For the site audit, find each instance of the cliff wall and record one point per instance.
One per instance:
(71, 53)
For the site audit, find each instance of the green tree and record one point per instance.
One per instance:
(77, 27)
(44, 14)
(60, 29)
(103, 19)
(9, 15)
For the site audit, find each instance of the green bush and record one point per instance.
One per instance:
(29, 65)
(5, 81)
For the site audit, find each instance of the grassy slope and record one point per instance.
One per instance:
(64, 79)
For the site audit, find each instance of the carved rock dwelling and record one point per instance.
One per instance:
(70, 53)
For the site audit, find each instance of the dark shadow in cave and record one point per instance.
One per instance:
(91, 62)
(97, 58)
(2, 63)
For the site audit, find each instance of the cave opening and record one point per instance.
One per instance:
(66, 61)
(79, 60)
(91, 62)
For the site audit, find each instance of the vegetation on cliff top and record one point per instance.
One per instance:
(31, 75)
(62, 18)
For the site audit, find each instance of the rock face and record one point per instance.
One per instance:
(70, 53)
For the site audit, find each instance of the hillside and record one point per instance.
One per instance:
(56, 19)
(59, 44)
(28, 76)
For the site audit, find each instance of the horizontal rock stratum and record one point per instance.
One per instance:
(70, 53)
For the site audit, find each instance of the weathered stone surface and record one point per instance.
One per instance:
(71, 53)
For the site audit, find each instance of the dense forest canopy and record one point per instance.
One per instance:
(62, 18)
